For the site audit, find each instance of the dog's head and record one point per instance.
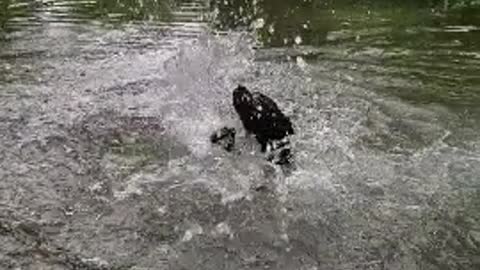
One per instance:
(242, 97)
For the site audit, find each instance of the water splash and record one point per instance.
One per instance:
(202, 76)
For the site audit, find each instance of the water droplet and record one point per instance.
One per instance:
(298, 40)
(271, 29)
(223, 228)
(300, 62)
(187, 236)
(259, 23)
(162, 210)
(284, 237)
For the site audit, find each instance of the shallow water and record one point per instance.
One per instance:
(106, 109)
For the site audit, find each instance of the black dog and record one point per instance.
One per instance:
(261, 116)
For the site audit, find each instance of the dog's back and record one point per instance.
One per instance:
(276, 124)
(261, 116)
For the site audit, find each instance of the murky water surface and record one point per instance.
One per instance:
(106, 108)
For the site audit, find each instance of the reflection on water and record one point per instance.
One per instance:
(19, 14)
(4, 13)
(278, 23)
(127, 10)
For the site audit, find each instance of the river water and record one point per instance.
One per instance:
(106, 108)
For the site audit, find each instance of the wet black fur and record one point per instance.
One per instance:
(261, 116)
